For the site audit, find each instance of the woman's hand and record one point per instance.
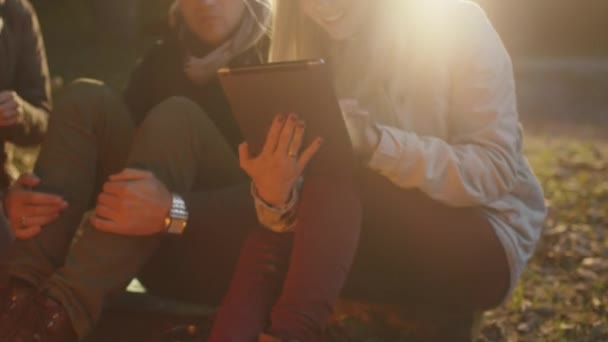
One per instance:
(277, 168)
(363, 134)
(27, 210)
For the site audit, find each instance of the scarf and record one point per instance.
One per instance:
(201, 68)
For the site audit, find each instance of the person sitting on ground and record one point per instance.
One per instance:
(25, 91)
(440, 213)
(162, 158)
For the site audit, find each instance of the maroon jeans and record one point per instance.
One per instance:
(438, 262)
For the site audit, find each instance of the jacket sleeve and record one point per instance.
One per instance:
(143, 92)
(32, 81)
(479, 162)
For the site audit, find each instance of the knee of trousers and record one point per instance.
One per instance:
(83, 100)
(176, 115)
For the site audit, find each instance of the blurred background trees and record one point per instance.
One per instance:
(529, 27)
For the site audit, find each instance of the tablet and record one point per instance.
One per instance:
(256, 94)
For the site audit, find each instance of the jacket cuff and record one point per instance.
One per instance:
(278, 219)
(393, 145)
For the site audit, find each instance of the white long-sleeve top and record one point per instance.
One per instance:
(457, 135)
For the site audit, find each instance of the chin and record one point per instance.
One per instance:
(339, 35)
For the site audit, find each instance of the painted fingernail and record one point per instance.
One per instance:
(281, 118)
(320, 141)
(301, 124)
(293, 117)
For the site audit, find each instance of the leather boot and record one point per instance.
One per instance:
(15, 297)
(46, 321)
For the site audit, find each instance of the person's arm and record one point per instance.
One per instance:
(279, 219)
(480, 162)
(277, 171)
(32, 86)
(142, 92)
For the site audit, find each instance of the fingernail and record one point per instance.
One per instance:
(301, 124)
(281, 118)
(320, 141)
(293, 117)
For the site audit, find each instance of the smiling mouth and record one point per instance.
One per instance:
(334, 17)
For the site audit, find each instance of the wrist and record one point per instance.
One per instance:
(272, 199)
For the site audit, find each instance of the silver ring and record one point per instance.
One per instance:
(292, 154)
(23, 220)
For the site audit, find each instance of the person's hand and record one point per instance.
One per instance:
(27, 210)
(363, 134)
(276, 169)
(133, 203)
(11, 108)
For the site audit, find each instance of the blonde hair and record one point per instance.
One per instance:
(372, 67)
(375, 67)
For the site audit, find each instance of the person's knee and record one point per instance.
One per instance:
(82, 95)
(85, 89)
(175, 114)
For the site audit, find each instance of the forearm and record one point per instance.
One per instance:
(468, 174)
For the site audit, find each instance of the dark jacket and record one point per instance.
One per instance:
(158, 76)
(23, 69)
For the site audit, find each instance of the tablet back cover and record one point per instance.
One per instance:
(257, 94)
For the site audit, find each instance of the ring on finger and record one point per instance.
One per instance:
(292, 154)
(23, 221)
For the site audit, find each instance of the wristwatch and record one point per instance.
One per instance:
(176, 222)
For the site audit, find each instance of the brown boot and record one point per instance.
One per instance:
(46, 321)
(15, 298)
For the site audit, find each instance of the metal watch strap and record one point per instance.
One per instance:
(176, 222)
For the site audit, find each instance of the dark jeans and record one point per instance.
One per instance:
(441, 264)
(6, 237)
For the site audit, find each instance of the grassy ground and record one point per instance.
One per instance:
(563, 295)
